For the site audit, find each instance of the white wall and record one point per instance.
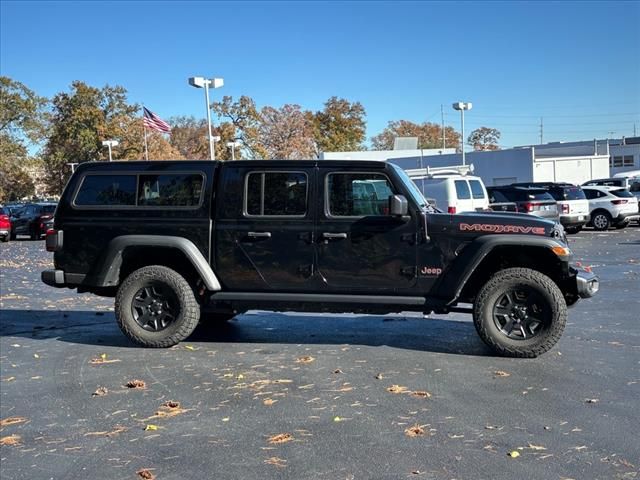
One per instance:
(625, 150)
(384, 155)
(575, 170)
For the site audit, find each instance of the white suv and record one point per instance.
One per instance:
(611, 206)
(453, 190)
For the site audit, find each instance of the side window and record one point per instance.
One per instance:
(590, 194)
(462, 190)
(476, 189)
(276, 194)
(358, 194)
(170, 190)
(496, 196)
(107, 190)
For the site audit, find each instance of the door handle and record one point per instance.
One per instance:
(259, 234)
(332, 236)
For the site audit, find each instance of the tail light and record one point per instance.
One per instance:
(565, 208)
(619, 202)
(529, 207)
(45, 217)
(4, 218)
(451, 210)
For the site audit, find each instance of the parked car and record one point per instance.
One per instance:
(611, 206)
(534, 201)
(573, 206)
(173, 240)
(454, 190)
(622, 179)
(5, 224)
(503, 206)
(30, 220)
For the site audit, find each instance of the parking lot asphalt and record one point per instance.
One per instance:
(317, 396)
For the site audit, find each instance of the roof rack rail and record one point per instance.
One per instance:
(431, 172)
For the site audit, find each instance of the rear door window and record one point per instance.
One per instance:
(462, 189)
(105, 190)
(276, 194)
(476, 189)
(358, 194)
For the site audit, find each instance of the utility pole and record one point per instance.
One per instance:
(541, 132)
(444, 140)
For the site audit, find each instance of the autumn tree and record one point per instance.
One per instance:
(484, 138)
(339, 126)
(22, 122)
(244, 117)
(286, 133)
(81, 120)
(189, 137)
(429, 135)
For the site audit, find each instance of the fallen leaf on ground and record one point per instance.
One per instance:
(278, 462)
(306, 359)
(592, 400)
(168, 409)
(280, 438)
(117, 429)
(146, 474)
(414, 431)
(151, 427)
(10, 440)
(501, 373)
(101, 360)
(337, 370)
(269, 401)
(337, 419)
(189, 347)
(397, 389)
(12, 421)
(421, 393)
(136, 384)
(514, 454)
(100, 392)
(535, 447)
(379, 376)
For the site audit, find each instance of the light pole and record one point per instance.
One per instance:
(462, 106)
(110, 144)
(201, 82)
(232, 146)
(214, 139)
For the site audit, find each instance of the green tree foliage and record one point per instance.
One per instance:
(484, 138)
(339, 126)
(22, 120)
(245, 119)
(81, 120)
(429, 135)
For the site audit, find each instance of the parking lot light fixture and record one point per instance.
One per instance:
(206, 83)
(462, 106)
(110, 144)
(232, 146)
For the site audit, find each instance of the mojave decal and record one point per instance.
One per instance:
(496, 228)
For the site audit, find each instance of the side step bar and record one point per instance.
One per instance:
(317, 298)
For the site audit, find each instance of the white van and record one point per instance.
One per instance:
(453, 188)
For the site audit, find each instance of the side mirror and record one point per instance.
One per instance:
(398, 206)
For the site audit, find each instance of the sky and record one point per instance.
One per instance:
(574, 64)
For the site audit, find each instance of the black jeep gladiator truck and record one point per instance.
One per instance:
(179, 241)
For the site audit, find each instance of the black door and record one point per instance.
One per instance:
(360, 248)
(264, 231)
(22, 222)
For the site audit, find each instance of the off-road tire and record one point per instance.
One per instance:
(543, 286)
(33, 234)
(601, 220)
(186, 319)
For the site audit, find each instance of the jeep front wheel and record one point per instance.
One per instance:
(156, 307)
(520, 312)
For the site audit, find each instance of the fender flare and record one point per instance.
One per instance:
(462, 268)
(108, 275)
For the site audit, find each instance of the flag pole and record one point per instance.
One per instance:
(146, 147)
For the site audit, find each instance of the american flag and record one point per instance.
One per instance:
(154, 122)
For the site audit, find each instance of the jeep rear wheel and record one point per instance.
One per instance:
(156, 307)
(520, 312)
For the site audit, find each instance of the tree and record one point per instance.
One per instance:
(339, 126)
(429, 135)
(81, 120)
(484, 138)
(286, 133)
(246, 121)
(22, 120)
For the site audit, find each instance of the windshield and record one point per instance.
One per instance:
(413, 189)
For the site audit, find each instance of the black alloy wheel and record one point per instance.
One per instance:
(155, 307)
(520, 313)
